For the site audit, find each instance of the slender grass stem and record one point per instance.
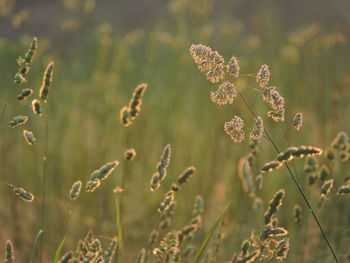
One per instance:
(296, 182)
(44, 179)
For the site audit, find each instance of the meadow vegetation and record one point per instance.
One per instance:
(199, 138)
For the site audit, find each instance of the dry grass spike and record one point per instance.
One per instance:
(18, 120)
(75, 190)
(29, 137)
(36, 107)
(23, 194)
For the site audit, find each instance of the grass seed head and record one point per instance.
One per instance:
(263, 76)
(25, 93)
(23, 194)
(125, 117)
(169, 199)
(270, 166)
(130, 154)
(225, 94)
(282, 249)
(232, 67)
(92, 185)
(36, 107)
(344, 189)
(274, 205)
(9, 254)
(29, 137)
(272, 232)
(135, 103)
(258, 129)
(298, 121)
(18, 120)
(107, 169)
(208, 61)
(19, 79)
(75, 190)
(155, 182)
(325, 189)
(234, 129)
(31, 51)
(46, 82)
(186, 175)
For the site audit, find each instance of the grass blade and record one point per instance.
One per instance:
(210, 234)
(58, 250)
(40, 232)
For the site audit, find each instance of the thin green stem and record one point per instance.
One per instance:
(44, 179)
(297, 184)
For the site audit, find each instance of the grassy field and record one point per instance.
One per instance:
(94, 76)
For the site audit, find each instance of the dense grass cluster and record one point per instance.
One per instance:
(198, 139)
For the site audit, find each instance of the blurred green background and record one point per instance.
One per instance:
(103, 49)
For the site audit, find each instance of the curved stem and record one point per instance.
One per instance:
(297, 184)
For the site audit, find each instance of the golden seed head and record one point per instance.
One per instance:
(92, 185)
(233, 67)
(155, 182)
(274, 205)
(125, 117)
(23, 194)
(298, 121)
(29, 137)
(169, 199)
(46, 82)
(25, 93)
(282, 249)
(9, 254)
(276, 115)
(258, 129)
(326, 187)
(271, 232)
(234, 129)
(19, 79)
(135, 103)
(31, 51)
(263, 76)
(344, 189)
(18, 120)
(225, 94)
(208, 61)
(75, 190)
(130, 154)
(185, 176)
(36, 107)
(107, 169)
(270, 166)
